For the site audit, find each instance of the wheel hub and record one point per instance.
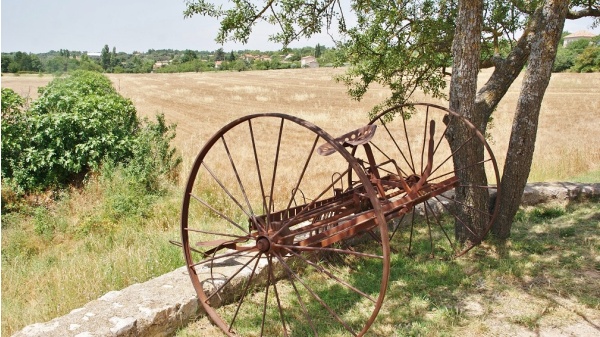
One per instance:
(263, 244)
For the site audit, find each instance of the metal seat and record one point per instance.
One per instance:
(354, 138)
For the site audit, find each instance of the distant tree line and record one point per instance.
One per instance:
(578, 56)
(241, 60)
(161, 60)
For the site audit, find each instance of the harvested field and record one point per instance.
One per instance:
(201, 103)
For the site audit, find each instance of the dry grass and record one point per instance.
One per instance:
(81, 254)
(201, 103)
(566, 146)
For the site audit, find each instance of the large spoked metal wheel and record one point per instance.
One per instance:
(456, 201)
(271, 232)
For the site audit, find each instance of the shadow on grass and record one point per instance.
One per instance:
(553, 254)
(551, 260)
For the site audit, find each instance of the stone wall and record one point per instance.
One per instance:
(157, 307)
(162, 305)
(538, 193)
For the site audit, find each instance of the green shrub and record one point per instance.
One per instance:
(46, 224)
(78, 123)
(11, 102)
(588, 61)
(14, 128)
(153, 160)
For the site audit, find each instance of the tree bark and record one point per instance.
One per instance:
(522, 140)
(463, 89)
(466, 48)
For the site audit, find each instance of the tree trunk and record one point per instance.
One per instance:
(522, 139)
(463, 89)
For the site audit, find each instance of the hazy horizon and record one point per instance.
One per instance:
(134, 25)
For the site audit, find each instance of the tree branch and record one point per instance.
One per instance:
(259, 15)
(521, 6)
(506, 70)
(575, 14)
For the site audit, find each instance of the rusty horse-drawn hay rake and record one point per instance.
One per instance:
(293, 228)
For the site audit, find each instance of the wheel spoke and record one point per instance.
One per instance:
(398, 147)
(237, 176)
(221, 215)
(301, 302)
(271, 196)
(443, 135)
(467, 206)
(332, 250)
(232, 277)
(229, 194)
(439, 223)
(262, 188)
(408, 144)
(412, 227)
(424, 138)
(264, 311)
(331, 275)
(218, 234)
(398, 168)
(295, 189)
(277, 298)
(428, 227)
(244, 292)
(451, 155)
(397, 227)
(316, 297)
(217, 257)
(456, 216)
(461, 169)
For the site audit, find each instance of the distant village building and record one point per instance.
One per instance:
(160, 64)
(218, 64)
(265, 58)
(309, 62)
(582, 34)
(94, 55)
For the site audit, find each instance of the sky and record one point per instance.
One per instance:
(38, 26)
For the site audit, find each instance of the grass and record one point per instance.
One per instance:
(546, 275)
(587, 177)
(59, 255)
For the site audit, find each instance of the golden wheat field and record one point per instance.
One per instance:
(201, 103)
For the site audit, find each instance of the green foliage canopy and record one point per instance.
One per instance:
(588, 61)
